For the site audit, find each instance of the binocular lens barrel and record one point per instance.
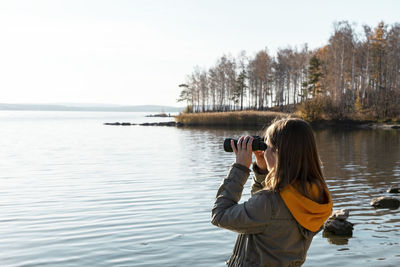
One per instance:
(258, 144)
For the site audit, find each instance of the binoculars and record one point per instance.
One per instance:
(258, 144)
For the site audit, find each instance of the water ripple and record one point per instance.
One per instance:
(76, 193)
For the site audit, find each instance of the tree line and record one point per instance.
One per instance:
(352, 73)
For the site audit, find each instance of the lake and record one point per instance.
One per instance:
(75, 192)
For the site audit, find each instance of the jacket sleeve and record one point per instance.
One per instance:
(258, 182)
(249, 217)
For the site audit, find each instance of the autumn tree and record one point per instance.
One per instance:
(351, 73)
(259, 72)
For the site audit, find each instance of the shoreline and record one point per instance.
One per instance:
(256, 119)
(354, 124)
(262, 118)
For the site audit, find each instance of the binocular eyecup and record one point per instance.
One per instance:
(258, 144)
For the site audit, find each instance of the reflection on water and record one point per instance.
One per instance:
(336, 240)
(75, 192)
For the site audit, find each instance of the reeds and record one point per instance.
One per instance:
(232, 118)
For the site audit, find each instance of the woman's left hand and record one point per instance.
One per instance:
(243, 151)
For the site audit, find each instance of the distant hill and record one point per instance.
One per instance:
(89, 107)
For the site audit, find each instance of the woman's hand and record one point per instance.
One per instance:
(243, 151)
(260, 160)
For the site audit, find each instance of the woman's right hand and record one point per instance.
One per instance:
(260, 160)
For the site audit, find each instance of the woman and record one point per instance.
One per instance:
(289, 198)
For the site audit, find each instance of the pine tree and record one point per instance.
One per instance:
(313, 85)
(240, 89)
(186, 95)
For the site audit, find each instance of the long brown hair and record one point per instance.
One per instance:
(297, 162)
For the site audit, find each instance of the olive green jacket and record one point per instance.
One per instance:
(268, 233)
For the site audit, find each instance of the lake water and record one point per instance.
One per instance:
(74, 192)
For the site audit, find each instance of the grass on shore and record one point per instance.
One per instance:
(254, 118)
(231, 118)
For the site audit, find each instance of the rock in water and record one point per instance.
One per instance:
(339, 227)
(339, 215)
(119, 123)
(385, 202)
(337, 224)
(166, 123)
(393, 189)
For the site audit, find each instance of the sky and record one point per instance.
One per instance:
(138, 52)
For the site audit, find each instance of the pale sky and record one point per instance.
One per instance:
(137, 52)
